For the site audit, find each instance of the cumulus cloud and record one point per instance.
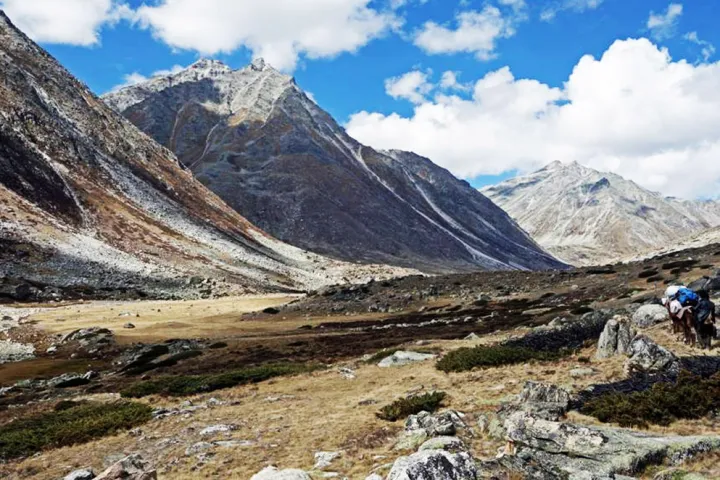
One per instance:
(278, 30)
(412, 86)
(73, 22)
(633, 111)
(578, 6)
(662, 25)
(475, 32)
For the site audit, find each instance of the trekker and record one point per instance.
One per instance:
(705, 320)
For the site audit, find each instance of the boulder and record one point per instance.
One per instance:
(132, 467)
(434, 465)
(90, 339)
(435, 425)
(68, 380)
(401, 358)
(272, 473)
(649, 315)
(325, 459)
(616, 338)
(540, 399)
(647, 357)
(563, 450)
(82, 474)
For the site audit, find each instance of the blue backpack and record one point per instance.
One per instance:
(687, 297)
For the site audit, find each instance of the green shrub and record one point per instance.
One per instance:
(404, 407)
(465, 359)
(689, 398)
(70, 425)
(183, 385)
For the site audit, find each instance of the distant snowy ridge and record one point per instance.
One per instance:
(588, 217)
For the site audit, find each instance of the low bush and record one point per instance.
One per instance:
(69, 425)
(689, 397)
(404, 407)
(465, 359)
(183, 385)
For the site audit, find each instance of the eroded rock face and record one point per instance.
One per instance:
(649, 315)
(272, 473)
(647, 357)
(132, 467)
(616, 338)
(434, 465)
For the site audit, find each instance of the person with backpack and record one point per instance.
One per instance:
(705, 320)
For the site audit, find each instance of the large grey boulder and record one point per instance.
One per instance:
(616, 338)
(398, 359)
(434, 465)
(132, 467)
(272, 473)
(581, 452)
(540, 399)
(82, 474)
(647, 357)
(433, 425)
(649, 315)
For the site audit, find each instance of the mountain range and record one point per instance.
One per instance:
(91, 203)
(586, 217)
(261, 144)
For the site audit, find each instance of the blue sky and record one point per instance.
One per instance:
(354, 79)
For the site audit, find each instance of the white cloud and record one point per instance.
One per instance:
(707, 49)
(134, 78)
(477, 32)
(278, 30)
(449, 81)
(634, 111)
(578, 6)
(662, 25)
(412, 86)
(73, 22)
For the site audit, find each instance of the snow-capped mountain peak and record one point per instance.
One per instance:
(584, 216)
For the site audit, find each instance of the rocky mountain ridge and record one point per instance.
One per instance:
(587, 217)
(89, 203)
(258, 141)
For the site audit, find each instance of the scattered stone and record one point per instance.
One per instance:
(325, 459)
(132, 467)
(401, 358)
(348, 373)
(647, 357)
(581, 372)
(199, 447)
(434, 465)
(129, 326)
(52, 349)
(616, 338)
(83, 474)
(11, 352)
(271, 311)
(68, 380)
(449, 444)
(472, 336)
(272, 473)
(649, 315)
(215, 429)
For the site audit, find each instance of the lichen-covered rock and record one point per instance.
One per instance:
(398, 359)
(649, 315)
(616, 338)
(647, 357)
(82, 474)
(541, 399)
(132, 467)
(440, 424)
(272, 473)
(434, 465)
(325, 459)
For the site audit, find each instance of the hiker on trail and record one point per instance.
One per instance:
(705, 320)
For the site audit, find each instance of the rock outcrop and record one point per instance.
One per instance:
(400, 358)
(434, 465)
(649, 358)
(616, 338)
(132, 467)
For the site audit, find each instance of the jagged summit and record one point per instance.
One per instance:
(584, 216)
(253, 137)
